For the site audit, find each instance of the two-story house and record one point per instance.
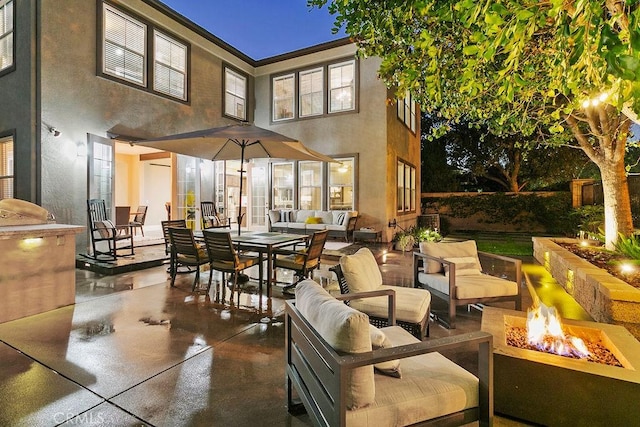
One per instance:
(79, 79)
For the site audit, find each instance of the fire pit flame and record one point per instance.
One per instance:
(545, 332)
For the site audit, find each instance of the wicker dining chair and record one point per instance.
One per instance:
(186, 252)
(224, 257)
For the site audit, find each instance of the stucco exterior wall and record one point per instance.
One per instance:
(402, 145)
(77, 101)
(18, 97)
(363, 132)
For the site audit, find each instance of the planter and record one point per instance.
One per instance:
(605, 297)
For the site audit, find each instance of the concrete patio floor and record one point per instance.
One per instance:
(134, 351)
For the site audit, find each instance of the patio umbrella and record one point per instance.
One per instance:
(241, 141)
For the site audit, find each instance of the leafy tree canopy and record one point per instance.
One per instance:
(516, 66)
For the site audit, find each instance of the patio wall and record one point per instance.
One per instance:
(606, 298)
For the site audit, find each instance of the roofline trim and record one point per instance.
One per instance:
(189, 24)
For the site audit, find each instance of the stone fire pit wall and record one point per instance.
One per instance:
(605, 297)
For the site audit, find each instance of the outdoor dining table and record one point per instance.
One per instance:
(264, 242)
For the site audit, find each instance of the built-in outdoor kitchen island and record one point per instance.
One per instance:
(37, 260)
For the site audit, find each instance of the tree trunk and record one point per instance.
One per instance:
(604, 141)
(617, 203)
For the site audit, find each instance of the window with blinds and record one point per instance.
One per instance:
(124, 46)
(6, 34)
(6, 168)
(311, 91)
(170, 66)
(342, 86)
(136, 52)
(283, 97)
(235, 86)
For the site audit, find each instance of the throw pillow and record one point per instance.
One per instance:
(465, 266)
(445, 250)
(313, 220)
(274, 216)
(361, 271)
(380, 340)
(341, 217)
(106, 228)
(345, 330)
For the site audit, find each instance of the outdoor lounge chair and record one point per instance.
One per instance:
(360, 273)
(453, 273)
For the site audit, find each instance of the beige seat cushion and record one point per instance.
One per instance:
(431, 386)
(448, 250)
(361, 271)
(345, 329)
(481, 286)
(411, 304)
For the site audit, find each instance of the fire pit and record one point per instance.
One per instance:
(553, 390)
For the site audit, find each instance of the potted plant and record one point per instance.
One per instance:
(407, 240)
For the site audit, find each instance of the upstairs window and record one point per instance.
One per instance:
(139, 54)
(311, 89)
(6, 34)
(283, 97)
(235, 100)
(321, 90)
(170, 71)
(407, 111)
(342, 86)
(124, 46)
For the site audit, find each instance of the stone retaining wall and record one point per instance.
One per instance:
(605, 297)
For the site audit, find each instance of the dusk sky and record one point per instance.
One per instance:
(260, 28)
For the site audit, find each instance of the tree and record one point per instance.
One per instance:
(516, 66)
(509, 163)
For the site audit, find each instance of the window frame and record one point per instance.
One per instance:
(406, 192)
(410, 108)
(322, 91)
(293, 96)
(228, 68)
(150, 58)
(145, 45)
(158, 32)
(353, 158)
(353, 86)
(324, 66)
(320, 185)
(9, 137)
(293, 169)
(11, 33)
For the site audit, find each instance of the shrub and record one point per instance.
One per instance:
(629, 246)
(553, 212)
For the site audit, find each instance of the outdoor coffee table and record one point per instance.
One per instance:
(375, 235)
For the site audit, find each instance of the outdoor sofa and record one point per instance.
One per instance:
(346, 372)
(303, 221)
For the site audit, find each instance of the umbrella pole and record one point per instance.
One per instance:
(242, 147)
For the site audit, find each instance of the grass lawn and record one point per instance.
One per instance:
(506, 247)
(500, 243)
